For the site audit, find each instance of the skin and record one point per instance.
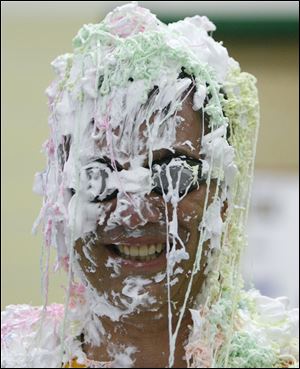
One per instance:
(147, 329)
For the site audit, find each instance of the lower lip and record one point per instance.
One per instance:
(158, 263)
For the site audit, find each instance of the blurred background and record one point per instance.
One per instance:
(261, 35)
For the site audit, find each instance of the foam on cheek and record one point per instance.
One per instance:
(87, 253)
(115, 264)
(159, 277)
(122, 356)
(115, 305)
(87, 215)
(212, 224)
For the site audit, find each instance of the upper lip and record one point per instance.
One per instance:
(149, 234)
(140, 241)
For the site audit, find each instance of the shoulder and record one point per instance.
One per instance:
(272, 323)
(30, 336)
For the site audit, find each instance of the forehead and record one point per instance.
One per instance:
(188, 133)
(186, 138)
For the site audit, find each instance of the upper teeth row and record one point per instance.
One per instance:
(144, 250)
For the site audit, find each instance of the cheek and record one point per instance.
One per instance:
(89, 269)
(190, 209)
(83, 262)
(190, 213)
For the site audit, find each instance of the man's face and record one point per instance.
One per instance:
(143, 235)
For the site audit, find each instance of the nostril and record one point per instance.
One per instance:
(144, 211)
(132, 217)
(151, 213)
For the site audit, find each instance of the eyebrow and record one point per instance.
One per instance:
(177, 151)
(185, 151)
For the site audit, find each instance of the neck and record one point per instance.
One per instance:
(149, 337)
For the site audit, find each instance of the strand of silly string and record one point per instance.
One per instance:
(46, 245)
(195, 269)
(106, 125)
(200, 243)
(234, 272)
(246, 212)
(171, 336)
(72, 225)
(241, 220)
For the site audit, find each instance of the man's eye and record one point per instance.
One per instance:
(106, 198)
(93, 173)
(183, 175)
(95, 181)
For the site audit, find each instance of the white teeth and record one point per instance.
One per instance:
(134, 251)
(145, 252)
(151, 250)
(158, 247)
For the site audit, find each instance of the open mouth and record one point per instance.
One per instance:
(139, 253)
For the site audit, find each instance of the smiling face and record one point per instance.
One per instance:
(137, 184)
(134, 251)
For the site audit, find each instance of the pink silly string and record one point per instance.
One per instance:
(124, 26)
(106, 126)
(63, 263)
(46, 278)
(50, 93)
(49, 148)
(20, 320)
(55, 312)
(47, 244)
(66, 262)
(76, 288)
(26, 319)
(57, 210)
(77, 295)
(200, 354)
(48, 232)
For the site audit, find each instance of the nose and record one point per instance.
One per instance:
(139, 211)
